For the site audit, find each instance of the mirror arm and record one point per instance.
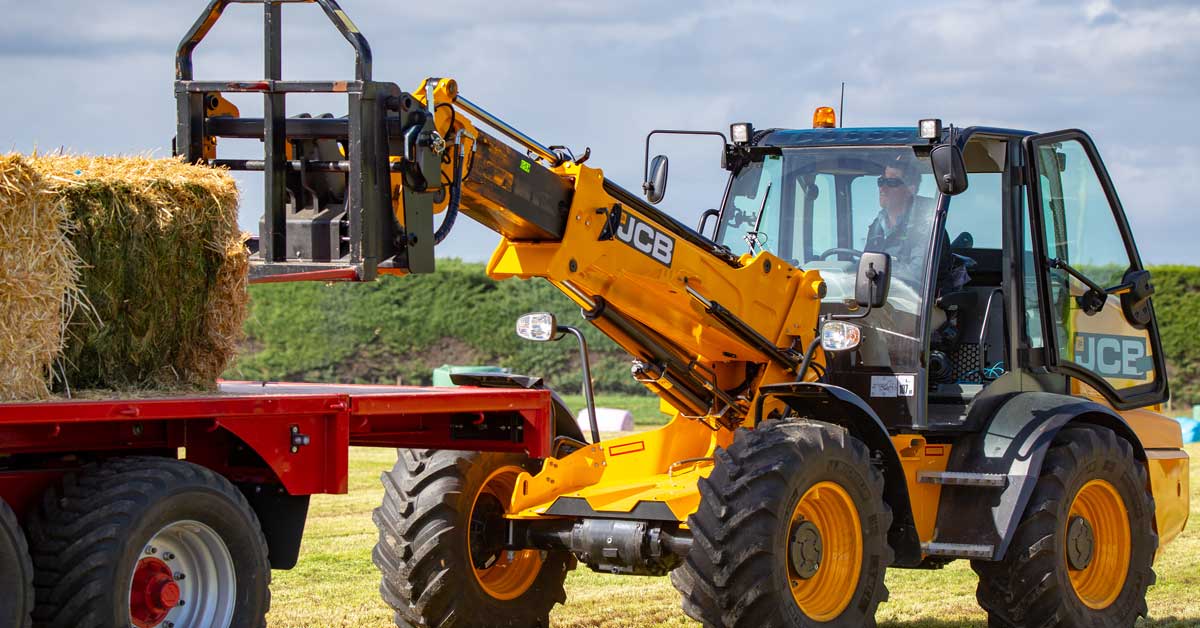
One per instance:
(588, 394)
(1072, 271)
(646, 157)
(708, 213)
(866, 311)
(1091, 301)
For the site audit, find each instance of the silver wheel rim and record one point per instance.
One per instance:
(204, 573)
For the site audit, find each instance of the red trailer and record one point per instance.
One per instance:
(173, 510)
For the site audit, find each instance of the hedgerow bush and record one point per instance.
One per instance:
(399, 328)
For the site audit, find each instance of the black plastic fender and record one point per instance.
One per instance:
(839, 406)
(1013, 442)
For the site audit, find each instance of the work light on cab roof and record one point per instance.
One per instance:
(930, 129)
(741, 132)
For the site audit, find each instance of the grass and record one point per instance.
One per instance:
(336, 585)
(644, 407)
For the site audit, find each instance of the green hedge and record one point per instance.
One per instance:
(1177, 305)
(401, 328)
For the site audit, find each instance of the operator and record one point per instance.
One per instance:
(901, 229)
(892, 233)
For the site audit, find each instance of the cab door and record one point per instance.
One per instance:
(1096, 314)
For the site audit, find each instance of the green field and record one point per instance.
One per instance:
(335, 583)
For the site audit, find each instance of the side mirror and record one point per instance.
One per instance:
(708, 213)
(538, 326)
(874, 278)
(1135, 300)
(655, 185)
(949, 170)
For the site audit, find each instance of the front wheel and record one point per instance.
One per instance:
(1082, 553)
(791, 531)
(441, 545)
(148, 542)
(16, 572)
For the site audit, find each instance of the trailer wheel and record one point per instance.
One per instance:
(16, 572)
(148, 542)
(1082, 553)
(791, 531)
(440, 545)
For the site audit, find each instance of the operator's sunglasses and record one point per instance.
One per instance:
(889, 182)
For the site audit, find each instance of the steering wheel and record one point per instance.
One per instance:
(854, 253)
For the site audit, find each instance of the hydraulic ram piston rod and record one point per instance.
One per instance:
(508, 130)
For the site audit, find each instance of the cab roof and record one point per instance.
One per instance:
(864, 136)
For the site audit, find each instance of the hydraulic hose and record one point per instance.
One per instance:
(455, 198)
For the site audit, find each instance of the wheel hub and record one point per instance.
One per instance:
(185, 578)
(805, 549)
(487, 531)
(153, 594)
(1081, 543)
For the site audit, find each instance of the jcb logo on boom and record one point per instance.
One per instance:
(641, 236)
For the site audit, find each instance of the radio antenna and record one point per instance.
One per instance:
(841, 107)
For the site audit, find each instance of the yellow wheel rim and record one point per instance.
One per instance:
(1100, 581)
(828, 592)
(509, 576)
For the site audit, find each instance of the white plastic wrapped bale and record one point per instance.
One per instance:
(608, 419)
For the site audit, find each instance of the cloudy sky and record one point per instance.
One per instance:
(95, 77)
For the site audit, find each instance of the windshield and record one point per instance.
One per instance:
(820, 208)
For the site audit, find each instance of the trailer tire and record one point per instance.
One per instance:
(1089, 473)
(781, 498)
(115, 544)
(427, 545)
(16, 572)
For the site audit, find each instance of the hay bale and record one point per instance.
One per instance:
(164, 270)
(39, 273)
(162, 265)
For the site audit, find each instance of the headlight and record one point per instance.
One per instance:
(539, 326)
(839, 336)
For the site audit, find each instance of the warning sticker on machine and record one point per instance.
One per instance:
(893, 385)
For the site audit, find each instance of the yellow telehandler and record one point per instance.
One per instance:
(852, 389)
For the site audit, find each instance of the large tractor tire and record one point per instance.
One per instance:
(1082, 552)
(791, 531)
(16, 572)
(148, 542)
(441, 530)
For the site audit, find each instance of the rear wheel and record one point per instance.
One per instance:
(16, 572)
(1082, 553)
(791, 531)
(441, 537)
(149, 542)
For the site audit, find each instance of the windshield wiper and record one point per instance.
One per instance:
(752, 236)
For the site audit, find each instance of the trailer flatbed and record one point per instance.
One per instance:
(301, 432)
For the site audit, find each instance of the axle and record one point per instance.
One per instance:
(617, 546)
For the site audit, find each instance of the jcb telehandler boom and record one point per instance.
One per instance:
(851, 389)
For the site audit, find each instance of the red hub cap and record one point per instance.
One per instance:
(153, 594)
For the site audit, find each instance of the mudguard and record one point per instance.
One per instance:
(839, 406)
(1018, 432)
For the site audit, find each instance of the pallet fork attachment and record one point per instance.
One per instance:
(328, 181)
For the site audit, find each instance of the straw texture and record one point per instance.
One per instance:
(160, 267)
(39, 274)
